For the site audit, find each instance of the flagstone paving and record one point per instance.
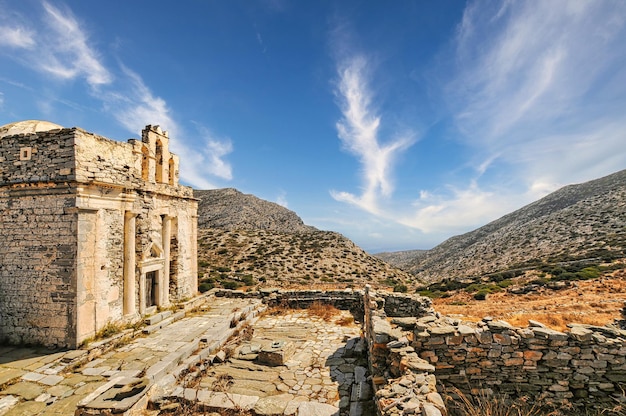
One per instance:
(325, 370)
(36, 381)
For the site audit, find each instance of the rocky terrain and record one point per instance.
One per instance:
(244, 241)
(584, 221)
(230, 209)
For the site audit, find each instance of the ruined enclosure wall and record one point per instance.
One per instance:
(37, 157)
(37, 281)
(585, 366)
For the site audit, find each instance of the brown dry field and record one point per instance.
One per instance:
(594, 302)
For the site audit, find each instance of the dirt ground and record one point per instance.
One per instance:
(596, 302)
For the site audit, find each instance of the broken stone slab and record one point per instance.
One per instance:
(405, 323)
(399, 343)
(272, 405)
(416, 364)
(277, 353)
(465, 330)
(7, 402)
(442, 330)
(551, 334)
(317, 409)
(116, 396)
(580, 333)
(498, 326)
(219, 400)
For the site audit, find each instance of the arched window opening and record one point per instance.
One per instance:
(159, 161)
(145, 163)
(171, 172)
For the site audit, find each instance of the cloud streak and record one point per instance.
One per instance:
(359, 131)
(61, 49)
(537, 95)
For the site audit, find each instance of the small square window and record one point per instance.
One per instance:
(26, 153)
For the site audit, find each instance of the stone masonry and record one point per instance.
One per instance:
(94, 231)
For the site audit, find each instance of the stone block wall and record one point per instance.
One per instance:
(584, 366)
(38, 157)
(102, 160)
(37, 279)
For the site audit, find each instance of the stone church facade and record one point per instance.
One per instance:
(93, 231)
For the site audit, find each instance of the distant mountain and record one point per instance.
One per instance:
(244, 240)
(401, 259)
(576, 222)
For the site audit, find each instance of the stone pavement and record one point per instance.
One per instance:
(295, 364)
(36, 381)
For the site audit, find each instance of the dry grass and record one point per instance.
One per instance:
(345, 321)
(489, 405)
(594, 302)
(324, 311)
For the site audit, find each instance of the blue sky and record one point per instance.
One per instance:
(398, 124)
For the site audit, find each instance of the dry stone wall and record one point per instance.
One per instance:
(584, 366)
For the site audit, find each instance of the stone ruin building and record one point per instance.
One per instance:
(94, 231)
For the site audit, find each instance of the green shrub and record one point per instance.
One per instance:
(229, 284)
(481, 294)
(205, 287)
(504, 283)
(433, 294)
(400, 288)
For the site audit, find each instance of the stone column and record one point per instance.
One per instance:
(194, 255)
(164, 284)
(129, 263)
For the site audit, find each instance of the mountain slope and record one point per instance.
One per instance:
(245, 241)
(578, 221)
(230, 209)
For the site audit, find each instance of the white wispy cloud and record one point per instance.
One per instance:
(16, 37)
(60, 47)
(69, 54)
(538, 96)
(359, 133)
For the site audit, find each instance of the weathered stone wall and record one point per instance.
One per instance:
(585, 366)
(37, 271)
(40, 157)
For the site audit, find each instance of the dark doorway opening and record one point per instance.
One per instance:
(151, 281)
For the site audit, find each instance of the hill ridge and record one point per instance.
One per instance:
(579, 220)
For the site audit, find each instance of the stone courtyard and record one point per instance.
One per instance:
(320, 361)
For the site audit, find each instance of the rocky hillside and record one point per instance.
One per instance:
(246, 241)
(232, 210)
(584, 221)
(401, 259)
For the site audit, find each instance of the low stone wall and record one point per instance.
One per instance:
(585, 366)
(348, 299)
